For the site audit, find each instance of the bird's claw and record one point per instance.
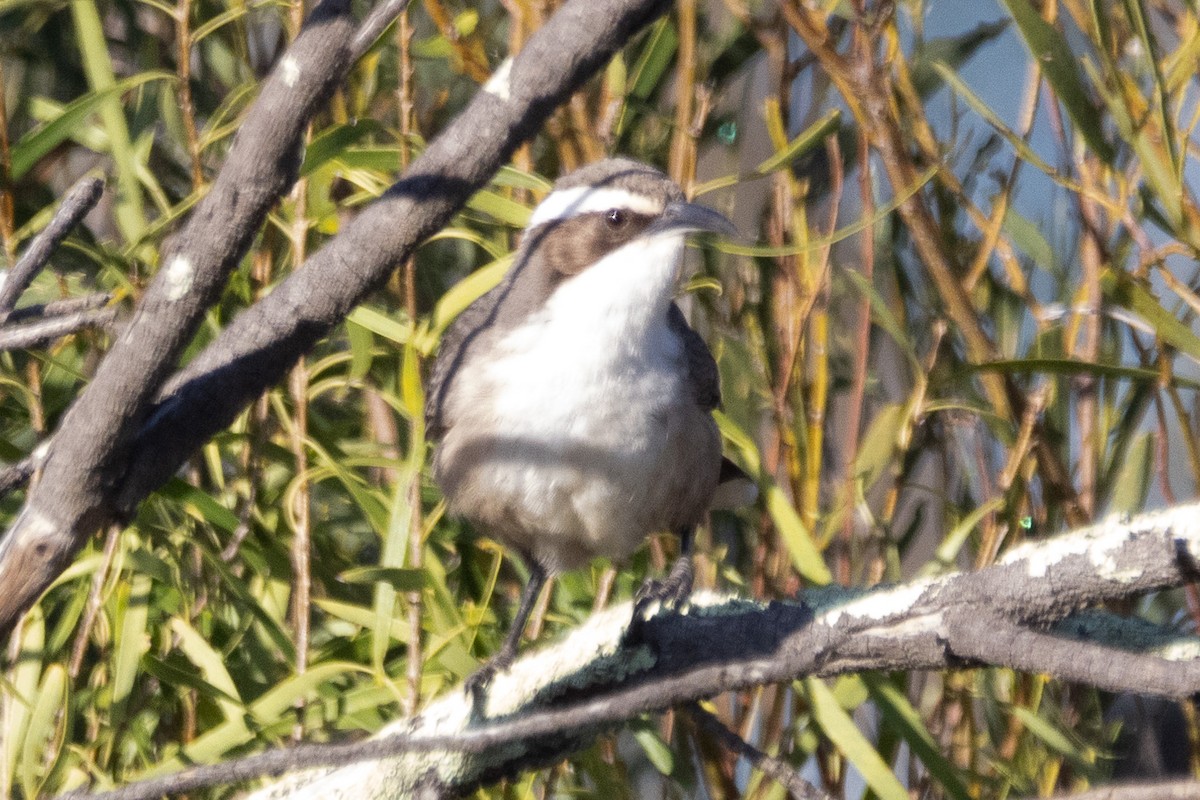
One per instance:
(477, 682)
(672, 591)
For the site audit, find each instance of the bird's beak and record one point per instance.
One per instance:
(688, 217)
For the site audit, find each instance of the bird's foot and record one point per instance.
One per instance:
(672, 591)
(477, 682)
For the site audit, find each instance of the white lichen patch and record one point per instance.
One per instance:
(35, 525)
(1102, 543)
(500, 84)
(1183, 649)
(878, 605)
(396, 776)
(600, 637)
(289, 71)
(178, 276)
(40, 452)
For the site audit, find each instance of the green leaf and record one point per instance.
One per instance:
(815, 243)
(1128, 293)
(1133, 479)
(500, 208)
(199, 504)
(89, 34)
(656, 750)
(796, 537)
(248, 602)
(1051, 736)
(47, 724)
(1066, 366)
(269, 708)
(335, 141)
(399, 578)
(902, 718)
(132, 615)
(879, 444)
(396, 545)
(1053, 55)
(41, 140)
(394, 330)
(362, 617)
(211, 665)
(362, 349)
(840, 729)
(1026, 236)
(651, 65)
(654, 60)
(181, 673)
(467, 291)
(809, 138)
(883, 316)
(946, 555)
(26, 676)
(1022, 147)
(953, 51)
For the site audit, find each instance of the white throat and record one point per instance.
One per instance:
(622, 293)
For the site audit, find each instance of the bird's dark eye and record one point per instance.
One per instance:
(615, 217)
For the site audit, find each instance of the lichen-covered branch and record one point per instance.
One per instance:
(1161, 790)
(554, 700)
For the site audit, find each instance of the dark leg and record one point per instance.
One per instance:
(508, 651)
(676, 587)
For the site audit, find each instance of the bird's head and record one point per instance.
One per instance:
(617, 215)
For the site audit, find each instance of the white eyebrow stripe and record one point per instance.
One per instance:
(566, 203)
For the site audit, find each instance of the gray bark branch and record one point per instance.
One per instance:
(96, 436)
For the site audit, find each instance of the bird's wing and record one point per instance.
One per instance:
(466, 327)
(702, 367)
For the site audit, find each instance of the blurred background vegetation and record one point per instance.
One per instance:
(966, 319)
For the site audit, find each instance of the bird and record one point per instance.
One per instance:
(571, 405)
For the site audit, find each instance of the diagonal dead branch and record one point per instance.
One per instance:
(377, 21)
(256, 350)
(94, 439)
(122, 436)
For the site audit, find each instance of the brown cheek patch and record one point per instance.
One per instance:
(572, 245)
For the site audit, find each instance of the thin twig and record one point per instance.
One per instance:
(36, 334)
(84, 632)
(374, 25)
(775, 768)
(58, 308)
(78, 202)
(16, 475)
(7, 241)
